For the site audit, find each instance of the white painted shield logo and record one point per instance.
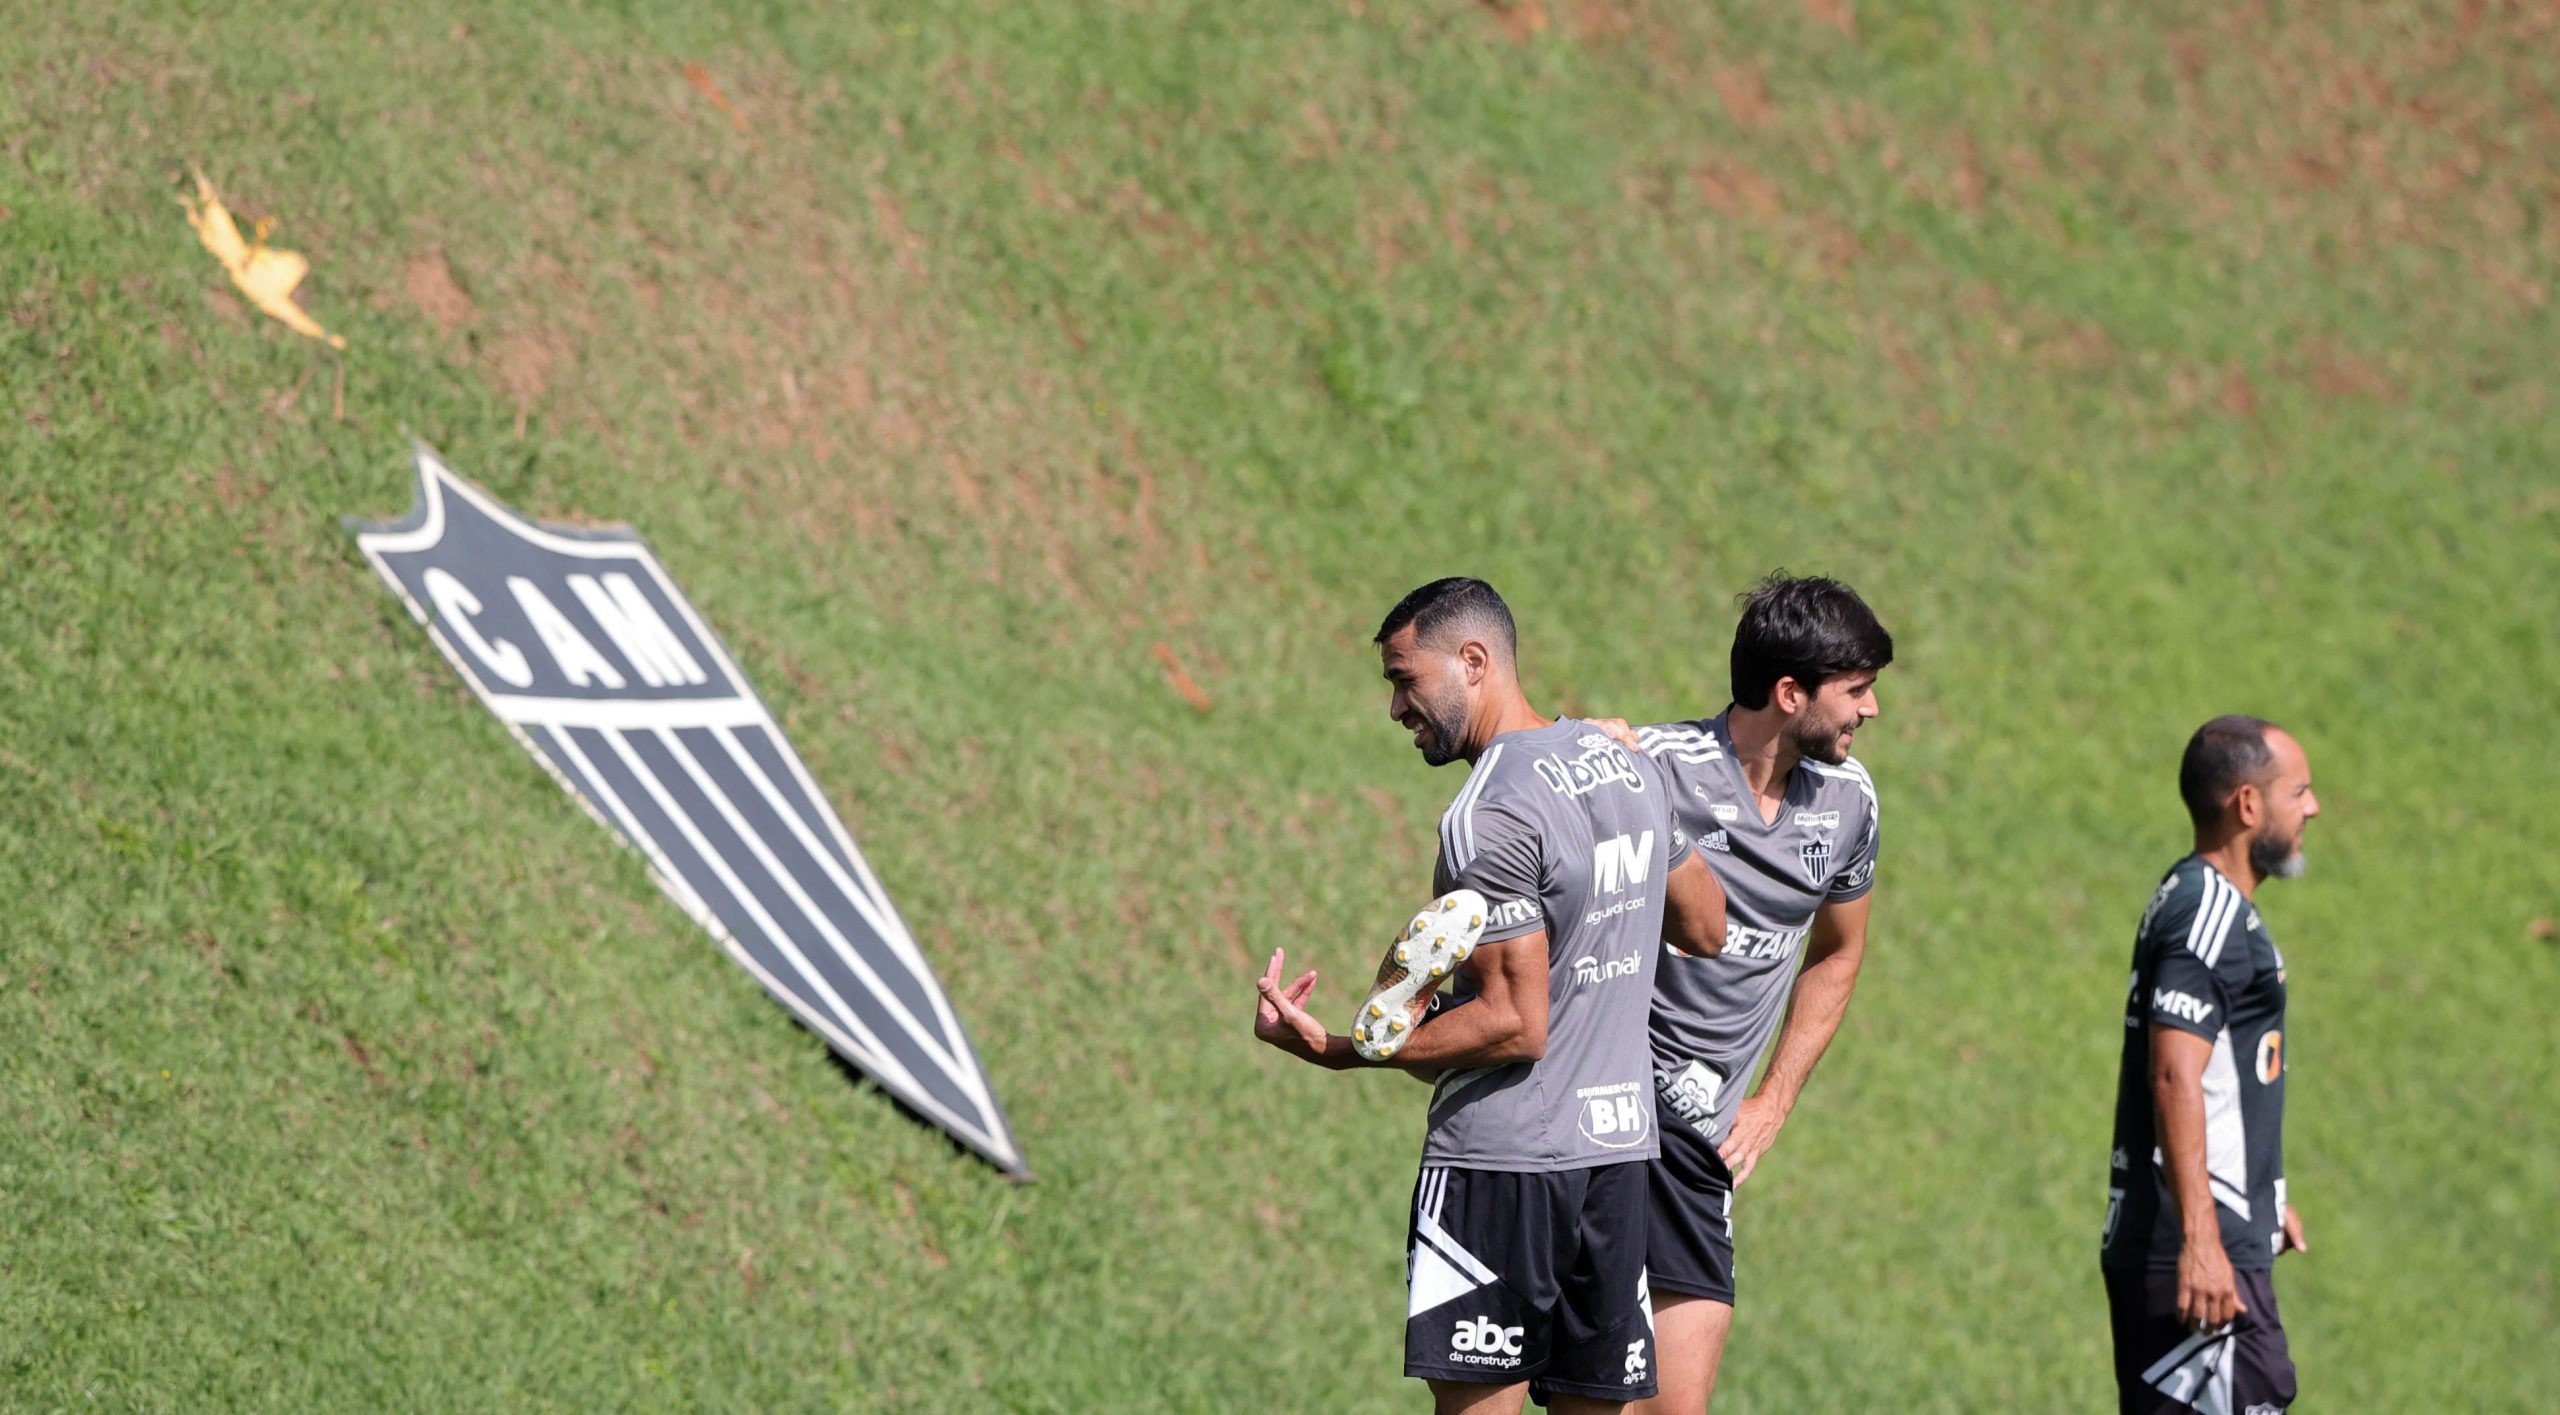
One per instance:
(584, 647)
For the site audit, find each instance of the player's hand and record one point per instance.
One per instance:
(2293, 1238)
(1280, 1014)
(2208, 1292)
(1755, 1129)
(1617, 730)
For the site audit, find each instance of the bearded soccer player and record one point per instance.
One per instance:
(1526, 1249)
(1786, 819)
(2196, 1210)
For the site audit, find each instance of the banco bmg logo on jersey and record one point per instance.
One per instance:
(1598, 766)
(1482, 1341)
(1613, 1116)
(2270, 1058)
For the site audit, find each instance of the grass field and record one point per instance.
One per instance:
(2138, 362)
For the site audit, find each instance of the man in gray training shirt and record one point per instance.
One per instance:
(1786, 819)
(1527, 1244)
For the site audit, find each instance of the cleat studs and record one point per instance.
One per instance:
(1397, 1025)
(1376, 1011)
(1404, 955)
(1438, 971)
(1448, 904)
(1477, 922)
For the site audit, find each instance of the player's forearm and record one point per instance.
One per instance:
(2177, 1099)
(1694, 915)
(1813, 1018)
(1474, 1035)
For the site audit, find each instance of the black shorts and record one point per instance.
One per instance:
(1690, 1250)
(2164, 1367)
(1511, 1276)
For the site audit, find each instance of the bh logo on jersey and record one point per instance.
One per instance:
(1482, 1341)
(1613, 1117)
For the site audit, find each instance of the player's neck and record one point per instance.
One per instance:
(2231, 858)
(1504, 712)
(1761, 749)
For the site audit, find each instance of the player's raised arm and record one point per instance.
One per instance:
(1504, 1020)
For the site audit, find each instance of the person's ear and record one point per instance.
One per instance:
(2249, 804)
(1476, 660)
(1788, 696)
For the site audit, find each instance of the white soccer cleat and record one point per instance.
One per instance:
(1440, 938)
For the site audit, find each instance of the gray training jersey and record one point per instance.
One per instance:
(1561, 829)
(1712, 1017)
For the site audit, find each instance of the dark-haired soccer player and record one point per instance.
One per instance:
(1786, 819)
(1526, 1251)
(2196, 1209)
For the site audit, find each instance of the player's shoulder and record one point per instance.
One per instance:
(1846, 787)
(1503, 785)
(1691, 743)
(2194, 908)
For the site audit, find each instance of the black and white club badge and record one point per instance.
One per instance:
(1817, 859)
(580, 642)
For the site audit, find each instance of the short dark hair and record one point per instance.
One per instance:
(1803, 627)
(1456, 604)
(2225, 754)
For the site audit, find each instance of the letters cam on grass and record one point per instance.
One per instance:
(2137, 365)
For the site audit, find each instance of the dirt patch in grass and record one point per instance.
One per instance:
(433, 292)
(1841, 15)
(1744, 91)
(1518, 21)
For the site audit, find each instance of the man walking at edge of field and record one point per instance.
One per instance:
(1525, 1252)
(1786, 819)
(2196, 1210)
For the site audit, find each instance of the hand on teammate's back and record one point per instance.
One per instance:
(1617, 730)
(1755, 1129)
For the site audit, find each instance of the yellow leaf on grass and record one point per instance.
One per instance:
(263, 273)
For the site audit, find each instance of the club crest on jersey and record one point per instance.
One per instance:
(1817, 857)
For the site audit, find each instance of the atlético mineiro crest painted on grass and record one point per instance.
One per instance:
(580, 642)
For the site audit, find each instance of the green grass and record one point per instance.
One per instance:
(2138, 363)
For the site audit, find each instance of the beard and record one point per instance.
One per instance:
(2277, 857)
(1444, 724)
(1822, 744)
